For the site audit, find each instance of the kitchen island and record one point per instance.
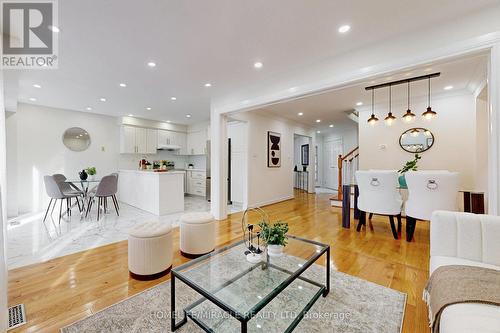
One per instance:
(159, 193)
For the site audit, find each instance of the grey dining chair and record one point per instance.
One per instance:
(69, 189)
(107, 188)
(54, 190)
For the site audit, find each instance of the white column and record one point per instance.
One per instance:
(494, 131)
(3, 215)
(218, 165)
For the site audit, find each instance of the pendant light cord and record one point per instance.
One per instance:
(373, 99)
(429, 96)
(390, 99)
(408, 95)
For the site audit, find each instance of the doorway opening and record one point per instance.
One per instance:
(237, 169)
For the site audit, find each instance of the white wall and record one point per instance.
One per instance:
(268, 185)
(454, 131)
(3, 215)
(36, 136)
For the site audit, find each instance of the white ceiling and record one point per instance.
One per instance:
(103, 43)
(331, 107)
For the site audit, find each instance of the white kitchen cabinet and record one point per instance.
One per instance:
(171, 138)
(197, 143)
(127, 140)
(137, 140)
(196, 182)
(151, 141)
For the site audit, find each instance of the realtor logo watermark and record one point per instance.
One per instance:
(30, 38)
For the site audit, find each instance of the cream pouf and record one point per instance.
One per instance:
(197, 234)
(150, 250)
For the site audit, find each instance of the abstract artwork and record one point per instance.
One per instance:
(273, 150)
(305, 154)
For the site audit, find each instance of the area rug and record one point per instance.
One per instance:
(353, 305)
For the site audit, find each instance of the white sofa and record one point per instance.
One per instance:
(466, 239)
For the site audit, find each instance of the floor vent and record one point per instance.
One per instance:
(17, 316)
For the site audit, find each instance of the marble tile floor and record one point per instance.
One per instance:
(31, 241)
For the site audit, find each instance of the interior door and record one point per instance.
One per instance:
(331, 150)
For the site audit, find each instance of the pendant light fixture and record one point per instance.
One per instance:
(429, 114)
(390, 118)
(408, 116)
(373, 120)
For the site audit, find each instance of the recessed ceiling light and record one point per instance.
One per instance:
(123, 85)
(130, 115)
(258, 64)
(318, 120)
(300, 113)
(359, 103)
(54, 28)
(246, 101)
(33, 99)
(208, 84)
(102, 99)
(188, 116)
(331, 125)
(148, 108)
(318, 132)
(88, 108)
(293, 89)
(151, 64)
(173, 98)
(168, 121)
(448, 87)
(37, 86)
(345, 28)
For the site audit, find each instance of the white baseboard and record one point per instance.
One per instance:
(270, 202)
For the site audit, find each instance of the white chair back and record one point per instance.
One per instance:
(378, 192)
(429, 191)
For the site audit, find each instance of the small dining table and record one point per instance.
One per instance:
(473, 202)
(84, 185)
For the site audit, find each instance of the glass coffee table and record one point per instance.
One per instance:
(235, 295)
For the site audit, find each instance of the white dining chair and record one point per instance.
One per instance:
(378, 194)
(429, 191)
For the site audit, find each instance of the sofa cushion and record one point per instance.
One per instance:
(470, 317)
(437, 261)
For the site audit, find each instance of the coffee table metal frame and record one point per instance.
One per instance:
(245, 318)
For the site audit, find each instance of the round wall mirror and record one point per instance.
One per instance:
(76, 139)
(416, 140)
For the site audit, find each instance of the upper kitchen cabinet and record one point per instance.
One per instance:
(197, 143)
(137, 140)
(175, 140)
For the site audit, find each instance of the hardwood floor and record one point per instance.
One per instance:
(63, 290)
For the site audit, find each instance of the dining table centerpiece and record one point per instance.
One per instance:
(409, 166)
(91, 171)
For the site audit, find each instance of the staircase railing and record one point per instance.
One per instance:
(347, 166)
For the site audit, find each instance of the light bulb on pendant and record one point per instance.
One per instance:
(373, 120)
(389, 120)
(429, 114)
(409, 116)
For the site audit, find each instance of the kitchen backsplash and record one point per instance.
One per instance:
(131, 161)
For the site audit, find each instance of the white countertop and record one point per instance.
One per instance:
(171, 172)
(194, 169)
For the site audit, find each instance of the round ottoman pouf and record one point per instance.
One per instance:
(150, 250)
(197, 234)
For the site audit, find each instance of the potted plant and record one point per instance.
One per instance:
(274, 235)
(91, 171)
(409, 166)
